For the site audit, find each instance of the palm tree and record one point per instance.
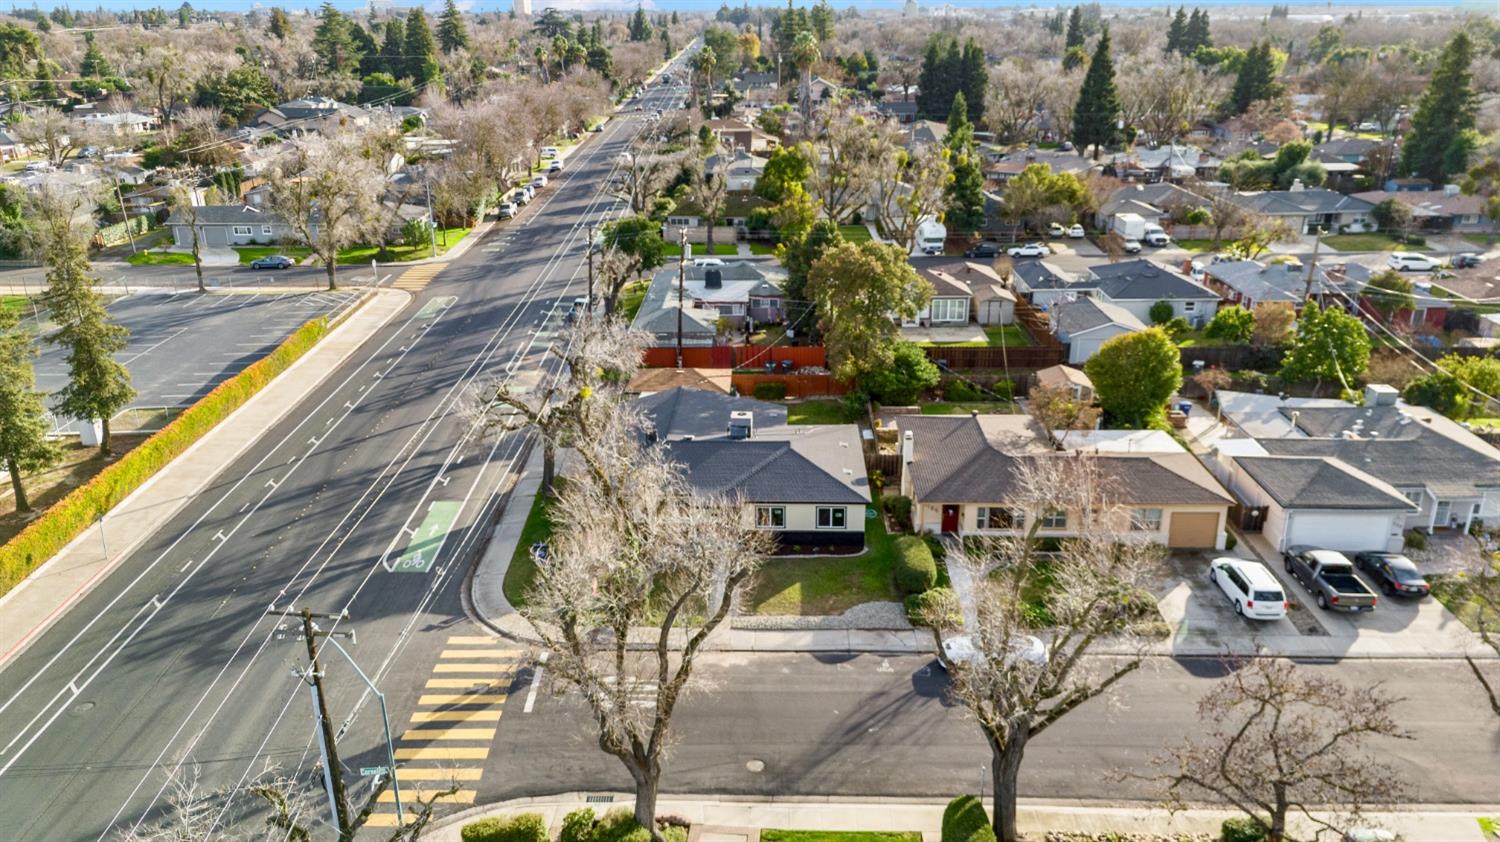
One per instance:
(805, 54)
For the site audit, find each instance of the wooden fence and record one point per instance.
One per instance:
(739, 356)
(889, 466)
(797, 385)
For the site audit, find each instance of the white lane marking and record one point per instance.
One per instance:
(536, 679)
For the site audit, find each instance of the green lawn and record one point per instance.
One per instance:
(1011, 336)
(1485, 422)
(837, 836)
(160, 258)
(402, 253)
(817, 412)
(768, 335)
(758, 247)
(1194, 245)
(522, 570)
(631, 297)
(855, 233)
(1457, 595)
(13, 304)
(249, 253)
(1369, 242)
(806, 586)
(720, 250)
(984, 407)
(1481, 240)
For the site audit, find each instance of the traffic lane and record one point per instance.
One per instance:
(873, 726)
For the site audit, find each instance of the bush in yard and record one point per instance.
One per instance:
(903, 381)
(770, 390)
(916, 571)
(1231, 324)
(1160, 312)
(578, 826)
(619, 825)
(416, 233)
(527, 827)
(919, 605)
(1177, 328)
(961, 391)
(1134, 374)
(1242, 829)
(899, 508)
(964, 821)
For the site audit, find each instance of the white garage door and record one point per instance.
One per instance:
(1348, 531)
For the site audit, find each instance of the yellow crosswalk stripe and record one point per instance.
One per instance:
(438, 773)
(461, 698)
(417, 277)
(474, 668)
(380, 820)
(455, 683)
(482, 653)
(463, 796)
(417, 734)
(443, 753)
(455, 716)
(471, 640)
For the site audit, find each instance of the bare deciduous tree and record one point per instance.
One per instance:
(184, 200)
(1282, 741)
(911, 190)
(1013, 100)
(1056, 409)
(709, 192)
(1086, 592)
(643, 173)
(848, 156)
(50, 132)
(328, 191)
(1484, 593)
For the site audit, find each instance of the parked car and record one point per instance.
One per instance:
(1329, 576)
(539, 182)
(707, 261)
(508, 210)
(555, 166)
(1395, 573)
(1407, 261)
(1075, 232)
(1028, 250)
(549, 151)
(1056, 230)
(272, 261)
(983, 250)
(1132, 246)
(1250, 587)
(520, 197)
(960, 650)
(1467, 260)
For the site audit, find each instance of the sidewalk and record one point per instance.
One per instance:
(44, 596)
(726, 819)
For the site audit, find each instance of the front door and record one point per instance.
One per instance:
(950, 518)
(1440, 514)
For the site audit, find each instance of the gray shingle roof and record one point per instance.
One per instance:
(783, 465)
(1039, 274)
(1422, 457)
(1300, 202)
(1084, 314)
(680, 412)
(1145, 280)
(229, 215)
(1315, 482)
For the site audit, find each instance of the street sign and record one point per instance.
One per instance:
(371, 771)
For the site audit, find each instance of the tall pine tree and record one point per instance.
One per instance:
(1197, 34)
(393, 48)
(640, 26)
(973, 80)
(1097, 114)
(452, 34)
(24, 427)
(1256, 80)
(1177, 31)
(963, 198)
(279, 26)
(334, 43)
(1442, 129)
(1075, 36)
(421, 50)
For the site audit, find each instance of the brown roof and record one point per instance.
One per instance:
(1062, 376)
(662, 379)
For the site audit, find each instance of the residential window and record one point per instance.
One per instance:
(242, 230)
(1054, 519)
(998, 517)
(1189, 306)
(265, 230)
(1145, 520)
(832, 517)
(949, 310)
(726, 309)
(1415, 496)
(770, 517)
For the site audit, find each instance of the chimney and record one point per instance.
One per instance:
(1380, 394)
(713, 279)
(741, 424)
(908, 447)
(1451, 190)
(1297, 186)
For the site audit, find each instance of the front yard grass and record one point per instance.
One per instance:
(1369, 242)
(79, 464)
(251, 253)
(401, 253)
(631, 297)
(831, 585)
(14, 304)
(838, 836)
(855, 233)
(956, 408)
(1194, 245)
(522, 570)
(698, 250)
(1456, 595)
(160, 258)
(768, 249)
(817, 412)
(1481, 240)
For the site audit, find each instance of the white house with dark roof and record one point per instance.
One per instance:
(964, 291)
(1307, 209)
(960, 472)
(222, 226)
(735, 292)
(1085, 324)
(804, 483)
(1136, 285)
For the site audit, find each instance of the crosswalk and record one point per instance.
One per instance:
(451, 731)
(418, 277)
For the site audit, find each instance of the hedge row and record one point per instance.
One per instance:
(84, 505)
(964, 821)
(916, 570)
(527, 827)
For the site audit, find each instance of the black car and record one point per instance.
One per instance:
(983, 250)
(1467, 260)
(1395, 573)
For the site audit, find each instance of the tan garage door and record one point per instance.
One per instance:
(1196, 530)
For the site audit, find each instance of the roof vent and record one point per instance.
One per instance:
(741, 424)
(713, 279)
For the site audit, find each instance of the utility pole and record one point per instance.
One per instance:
(333, 773)
(681, 281)
(1312, 265)
(589, 307)
(431, 220)
(124, 214)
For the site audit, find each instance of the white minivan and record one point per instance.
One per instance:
(1254, 590)
(1409, 261)
(549, 151)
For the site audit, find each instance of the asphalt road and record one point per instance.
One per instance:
(184, 344)
(868, 725)
(364, 499)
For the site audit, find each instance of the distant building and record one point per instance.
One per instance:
(521, 7)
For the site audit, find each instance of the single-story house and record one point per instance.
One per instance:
(1438, 211)
(1152, 202)
(961, 473)
(902, 111)
(964, 291)
(11, 147)
(804, 483)
(1307, 209)
(735, 291)
(1136, 285)
(1040, 283)
(739, 171)
(122, 123)
(1451, 476)
(741, 136)
(1315, 501)
(222, 226)
(1085, 324)
(1065, 377)
(1347, 150)
(1171, 163)
(1250, 283)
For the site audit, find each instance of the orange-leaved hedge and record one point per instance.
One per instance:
(84, 505)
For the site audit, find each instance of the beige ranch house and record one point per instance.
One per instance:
(960, 473)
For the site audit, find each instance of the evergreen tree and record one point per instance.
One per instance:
(640, 26)
(279, 26)
(24, 446)
(452, 34)
(1177, 32)
(393, 48)
(421, 49)
(1196, 35)
(1097, 114)
(364, 44)
(974, 80)
(93, 64)
(963, 198)
(333, 41)
(1256, 80)
(1075, 36)
(1442, 130)
(821, 21)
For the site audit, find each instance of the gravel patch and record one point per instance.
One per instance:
(1448, 553)
(882, 616)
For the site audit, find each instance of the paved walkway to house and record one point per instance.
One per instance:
(33, 605)
(735, 819)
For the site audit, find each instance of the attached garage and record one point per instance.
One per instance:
(1193, 530)
(1347, 531)
(1317, 501)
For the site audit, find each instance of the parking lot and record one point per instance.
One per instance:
(183, 345)
(1204, 621)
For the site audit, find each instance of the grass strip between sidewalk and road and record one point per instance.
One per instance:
(71, 515)
(839, 836)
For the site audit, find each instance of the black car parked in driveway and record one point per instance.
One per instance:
(983, 250)
(1395, 573)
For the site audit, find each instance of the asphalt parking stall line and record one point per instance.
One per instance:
(449, 735)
